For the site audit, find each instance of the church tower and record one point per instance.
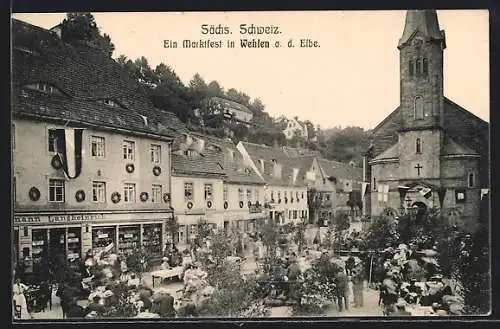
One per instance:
(421, 96)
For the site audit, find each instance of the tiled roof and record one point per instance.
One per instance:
(234, 169)
(341, 170)
(450, 147)
(391, 152)
(207, 163)
(85, 75)
(231, 104)
(266, 153)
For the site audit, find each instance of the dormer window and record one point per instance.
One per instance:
(110, 102)
(44, 87)
(190, 153)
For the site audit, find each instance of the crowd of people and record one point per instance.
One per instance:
(413, 280)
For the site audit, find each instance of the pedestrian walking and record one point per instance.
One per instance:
(19, 300)
(341, 282)
(358, 279)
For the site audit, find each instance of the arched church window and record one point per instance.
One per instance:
(418, 146)
(419, 107)
(417, 67)
(410, 68)
(471, 179)
(374, 188)
(425, 67)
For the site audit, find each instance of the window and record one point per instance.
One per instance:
(417, 68)
(425, 68)
(182, 237)
(99, 192)
(295, 214)
(327, 197)
(249, 195)
(209, 190)
(410, 68)
(188, 192)
(297, 195)
(129, 192)
(286, 194)
(98, 146)
(45, 88)
(279, 195)
(156, 193)
(110, 102)
(418, 146)
(374, 188)
(471, 179)
(190, 153)
(128, 150)
(53, 143)
(240, 194)
(419, 107)
(155, 152)
(302, 197)
(224, 193)
(56, 190)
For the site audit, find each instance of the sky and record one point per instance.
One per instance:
(352, 79)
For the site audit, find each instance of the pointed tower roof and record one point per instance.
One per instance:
(423, 21)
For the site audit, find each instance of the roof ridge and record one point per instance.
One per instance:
(462, 109)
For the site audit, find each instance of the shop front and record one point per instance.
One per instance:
(71, 236)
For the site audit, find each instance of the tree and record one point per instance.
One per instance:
(257, 106)
(82, 26)
(215, 89)
(348, 144)
(172, 227)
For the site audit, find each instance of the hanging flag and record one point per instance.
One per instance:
(386, 193)
(425, 192)
(402, 192)
(484, 191)
(295, 174)
(441, 194)
(69, 142)
(364, 188)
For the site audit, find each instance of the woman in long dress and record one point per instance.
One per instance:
(20, 300)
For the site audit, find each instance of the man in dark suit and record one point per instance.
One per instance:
(341, 282)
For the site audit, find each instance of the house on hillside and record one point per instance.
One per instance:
(230, 110)
(293, 127)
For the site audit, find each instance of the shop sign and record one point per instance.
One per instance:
(75, 218)
(30, 219)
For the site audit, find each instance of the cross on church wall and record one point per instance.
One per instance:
(418, 167)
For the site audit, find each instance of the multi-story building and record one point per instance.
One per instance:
(293, 127)
(219, 188)
(286, 192)
(197, 176)
(90, 153)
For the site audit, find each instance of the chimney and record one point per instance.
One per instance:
(261, 163)
(277, 170)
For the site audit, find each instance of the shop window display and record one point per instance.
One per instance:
(102, 237)
(151, 239)
(128, 238)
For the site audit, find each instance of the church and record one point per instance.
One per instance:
(429, 153)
